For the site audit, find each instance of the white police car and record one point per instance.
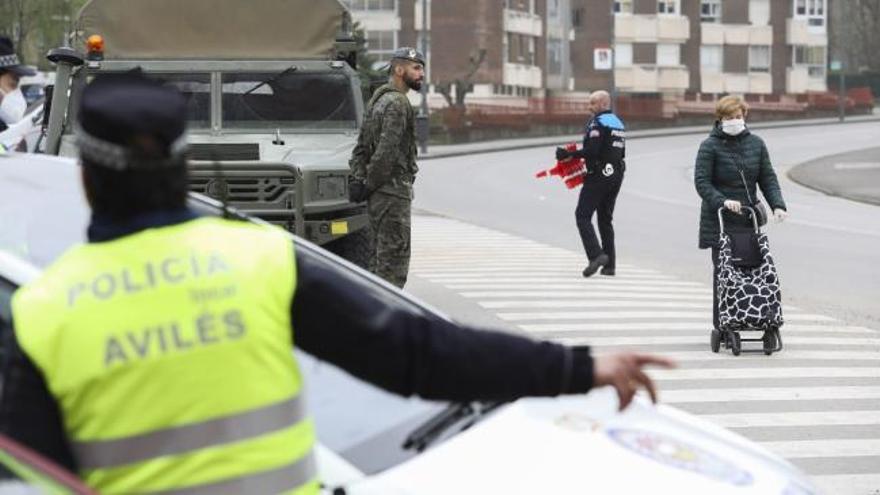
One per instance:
(375, 443)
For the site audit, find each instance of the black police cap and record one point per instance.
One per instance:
(129, 121)
(9, 60)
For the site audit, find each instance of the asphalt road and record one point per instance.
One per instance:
(494, 246)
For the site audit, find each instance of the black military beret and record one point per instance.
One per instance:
(130, 121)
(408, 53)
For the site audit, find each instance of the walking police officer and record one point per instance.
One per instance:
(604, 150)
(157, 356)
(383, 166)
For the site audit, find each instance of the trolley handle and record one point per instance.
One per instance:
(751, 211)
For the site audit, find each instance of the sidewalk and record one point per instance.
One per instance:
(451, 150)
(854, 175)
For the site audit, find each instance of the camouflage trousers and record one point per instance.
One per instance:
(390, 237)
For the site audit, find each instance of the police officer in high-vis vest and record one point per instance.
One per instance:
(157, 356)
(604, 151)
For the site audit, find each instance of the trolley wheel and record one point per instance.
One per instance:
(769, 341)
(735, 343)
(715, 340)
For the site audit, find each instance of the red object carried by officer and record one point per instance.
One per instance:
(571, 170)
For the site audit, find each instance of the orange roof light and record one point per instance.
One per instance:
(95, 44)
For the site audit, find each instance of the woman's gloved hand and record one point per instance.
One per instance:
(780, 215)
(733, 205)
(562, 154)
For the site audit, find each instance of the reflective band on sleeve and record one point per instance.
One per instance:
(180, 439)
(281, 480)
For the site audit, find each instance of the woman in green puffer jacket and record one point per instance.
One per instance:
(729, 149)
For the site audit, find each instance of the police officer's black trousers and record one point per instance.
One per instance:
(598, 195)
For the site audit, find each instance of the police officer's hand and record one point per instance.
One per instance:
(624, 372)
(733, 205)
(562, 154)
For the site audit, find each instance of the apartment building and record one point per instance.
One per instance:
(525, 44)
(673, 47)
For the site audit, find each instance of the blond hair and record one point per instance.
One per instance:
(729, 105)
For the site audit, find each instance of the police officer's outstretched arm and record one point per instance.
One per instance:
(393, 344)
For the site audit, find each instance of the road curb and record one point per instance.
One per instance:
(643, 134)
(805, 174)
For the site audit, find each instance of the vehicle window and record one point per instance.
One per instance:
(196, 88)
(288, 99)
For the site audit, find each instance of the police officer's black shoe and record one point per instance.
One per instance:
(595, 264)
(607, 271)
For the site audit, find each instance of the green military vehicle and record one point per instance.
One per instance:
(274, 101)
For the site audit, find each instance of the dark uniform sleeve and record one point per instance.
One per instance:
(595, 139)
(28, 412)
(380, 337)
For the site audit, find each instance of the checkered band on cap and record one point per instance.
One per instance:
(9, 61)
(119, 157)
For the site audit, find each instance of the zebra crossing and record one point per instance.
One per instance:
(816, 403)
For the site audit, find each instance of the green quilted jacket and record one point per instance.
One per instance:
(716, 177)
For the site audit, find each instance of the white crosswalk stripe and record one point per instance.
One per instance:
(537, 289)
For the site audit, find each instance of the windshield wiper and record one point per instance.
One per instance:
(270, 80)
(429, 431)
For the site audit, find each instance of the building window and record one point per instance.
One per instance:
(623, 55)
(710, 11)
(814, 57)
(520, 49)
(521, 5)
(812, 10)
(759, 12)
(759, 59)
(711, 58)
(667, 6)
(577, 16)
(668, 54)
(371, 4)
(623, 7)
(381, 44)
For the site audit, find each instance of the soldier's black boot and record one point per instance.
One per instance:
(595, 264)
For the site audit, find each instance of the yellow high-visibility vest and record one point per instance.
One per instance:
(169, 352)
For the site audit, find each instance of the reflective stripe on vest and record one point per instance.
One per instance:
(169, 352)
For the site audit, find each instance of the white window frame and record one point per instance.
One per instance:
(714, 14)
(381, 55)
(668, 55)
(364, 5)
(623, 55)
(814, 11)
(668, 7)
(816, 68)
(717, 53)
(754, 64)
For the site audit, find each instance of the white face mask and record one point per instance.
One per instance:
(733, 127)
(12, 107)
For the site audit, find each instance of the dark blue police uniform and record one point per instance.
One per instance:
(604, 151)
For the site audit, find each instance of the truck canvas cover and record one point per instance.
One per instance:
(213, 29)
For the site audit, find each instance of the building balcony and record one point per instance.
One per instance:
(528, 76)
(379, 20)
(799, 80)
(735, 34)
(798, 32)
(651, 29)
(651, 78)
(517, 21)
(722, 82)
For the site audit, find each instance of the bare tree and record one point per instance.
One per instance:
(858, 33)
(462, 85)
(36, 25)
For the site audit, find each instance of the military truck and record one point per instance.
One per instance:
(273, 96)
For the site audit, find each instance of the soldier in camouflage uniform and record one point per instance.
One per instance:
(383, 166)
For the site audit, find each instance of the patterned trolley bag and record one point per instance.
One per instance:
(749, 298)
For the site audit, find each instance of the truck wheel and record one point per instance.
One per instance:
(354, 247)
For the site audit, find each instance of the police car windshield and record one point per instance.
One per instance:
(289, 99)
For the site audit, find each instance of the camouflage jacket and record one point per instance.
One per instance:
(385, 155)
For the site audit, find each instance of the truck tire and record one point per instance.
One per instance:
(354, 247)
